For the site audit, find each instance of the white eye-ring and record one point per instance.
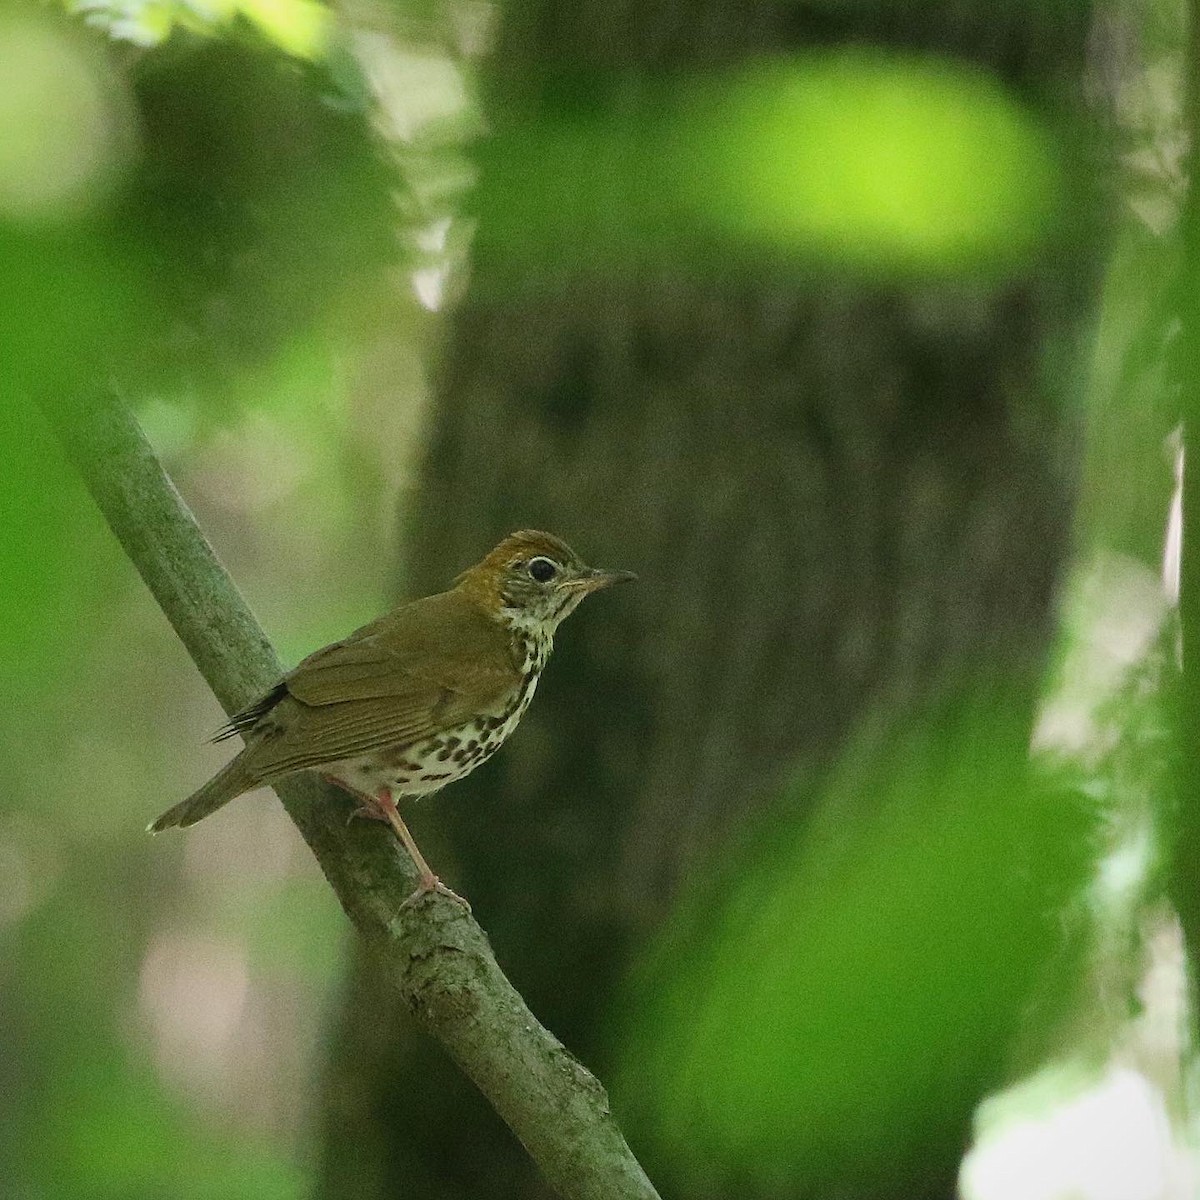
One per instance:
(542, 569)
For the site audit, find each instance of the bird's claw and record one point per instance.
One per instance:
(431, 885)
(368, 812)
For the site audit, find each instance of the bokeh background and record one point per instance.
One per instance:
(849, 847)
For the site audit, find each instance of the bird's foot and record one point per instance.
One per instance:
(367, 807)
(430, 885)
(383, 808)
(368, 811)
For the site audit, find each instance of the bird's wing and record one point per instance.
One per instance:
(443, 641)
(428, 667)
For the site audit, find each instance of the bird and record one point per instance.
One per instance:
(416, 699)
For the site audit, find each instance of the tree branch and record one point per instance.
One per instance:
(436, 954)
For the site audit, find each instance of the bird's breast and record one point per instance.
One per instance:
(419, 768)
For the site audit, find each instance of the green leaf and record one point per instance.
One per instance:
(835, 1007)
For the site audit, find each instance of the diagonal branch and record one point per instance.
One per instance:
(437, 956)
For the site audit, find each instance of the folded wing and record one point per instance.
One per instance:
(394, 682)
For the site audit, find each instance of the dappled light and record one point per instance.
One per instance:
(299, 27)
(67, 125)
(882, 163)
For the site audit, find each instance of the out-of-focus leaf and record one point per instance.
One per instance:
(835, 1007)
(886, 165)
(264, 200)
(74, 300)
(211, 204)
(299, 27)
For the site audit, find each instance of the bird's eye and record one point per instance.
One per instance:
(542, 569)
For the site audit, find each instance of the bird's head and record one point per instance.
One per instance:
(533, 581)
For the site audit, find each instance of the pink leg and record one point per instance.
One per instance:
(382, 807)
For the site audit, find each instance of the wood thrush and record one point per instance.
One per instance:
(417, 698)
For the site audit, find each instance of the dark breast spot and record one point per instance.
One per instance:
(434, 776)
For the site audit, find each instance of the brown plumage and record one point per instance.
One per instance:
(417, 698)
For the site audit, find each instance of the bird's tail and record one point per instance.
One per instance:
(231, 780)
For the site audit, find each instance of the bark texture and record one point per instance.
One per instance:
(836, 493)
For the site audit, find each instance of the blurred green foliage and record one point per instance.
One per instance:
(166, 225)
(264, 201)
(213, 224)
(209, 226)
(299, 27)
(827, 1009)
(55, 578)
(884, 165)
(213, 200)
(96, 1119)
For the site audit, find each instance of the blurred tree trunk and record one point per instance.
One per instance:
(835, 492)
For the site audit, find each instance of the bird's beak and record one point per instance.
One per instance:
(594, 580)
